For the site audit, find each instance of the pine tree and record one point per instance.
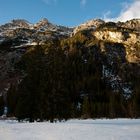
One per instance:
(86, 108)
(12, 99)
(1, 105)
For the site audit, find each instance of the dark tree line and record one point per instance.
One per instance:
(64, 80)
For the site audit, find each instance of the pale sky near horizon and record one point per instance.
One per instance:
(68, 12)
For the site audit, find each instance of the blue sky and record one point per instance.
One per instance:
(65, 12)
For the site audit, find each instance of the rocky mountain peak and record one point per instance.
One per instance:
(95, 22)
(16, 23)
(43, 22)
(132, 24)
(91, 24)
(20, 22)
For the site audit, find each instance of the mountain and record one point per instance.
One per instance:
(104, 53)
(17, 36)
(21, 32)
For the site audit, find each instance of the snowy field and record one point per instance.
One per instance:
(121, 129)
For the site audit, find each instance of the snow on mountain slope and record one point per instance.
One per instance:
(44, 25)
(43, 30)
(121, 129)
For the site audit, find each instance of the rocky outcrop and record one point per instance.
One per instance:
(18, 23)
(91, 24)
(131, 24)
(131, 41)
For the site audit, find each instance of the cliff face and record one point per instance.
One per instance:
(128, 39)
(131, 24)
(117, 46)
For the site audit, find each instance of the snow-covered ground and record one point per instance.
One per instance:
(121, 129)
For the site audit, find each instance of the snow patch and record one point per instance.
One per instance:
(116, 82)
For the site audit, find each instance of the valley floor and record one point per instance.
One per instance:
(117, 129)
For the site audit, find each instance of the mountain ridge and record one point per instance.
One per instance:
(94, 64)
(19, 35)
(45, 25)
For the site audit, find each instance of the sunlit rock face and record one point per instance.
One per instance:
(131, 41)
(117, 37)
(131, 24)
(91, 24)
(109, 36)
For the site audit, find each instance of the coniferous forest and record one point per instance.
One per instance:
(65, 79)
